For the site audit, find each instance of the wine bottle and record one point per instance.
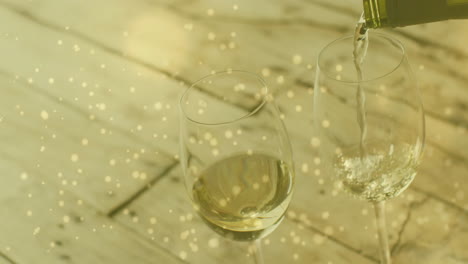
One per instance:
(399, 13)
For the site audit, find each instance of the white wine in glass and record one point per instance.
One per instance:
(236, 155)
(243, 197)
(370, 121)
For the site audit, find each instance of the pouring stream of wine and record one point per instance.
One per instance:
(361, 43)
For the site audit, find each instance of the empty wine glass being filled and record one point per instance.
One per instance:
(370, 120)
(236, 156)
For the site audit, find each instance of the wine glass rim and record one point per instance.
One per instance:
(230, 71)
(380, 35)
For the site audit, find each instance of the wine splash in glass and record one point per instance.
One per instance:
(375, 135)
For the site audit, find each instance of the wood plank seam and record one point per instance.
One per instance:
(7, 258)
(412, 206)
(336, 240)
(174, 256)
(28, 16)
(259, 22)
(441, 200)
(141, 191)
(74, 108)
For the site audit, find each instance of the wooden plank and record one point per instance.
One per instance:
(446, 243)
(177, 227)
(256, 40)
(50, 121)
(4, 259)
(441, 177)
(41, 132)
(106, 87)
(43, 223)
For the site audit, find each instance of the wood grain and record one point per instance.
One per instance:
(45, 223)
(181, 230)
(41, 133)
(110, 73)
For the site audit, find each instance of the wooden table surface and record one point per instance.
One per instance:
(89, 129)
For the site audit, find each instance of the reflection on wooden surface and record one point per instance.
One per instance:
(89, 126)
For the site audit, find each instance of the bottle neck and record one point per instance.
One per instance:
(399, 13)
(375, 12)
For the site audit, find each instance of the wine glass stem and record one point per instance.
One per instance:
(257, 252)
(382, 232)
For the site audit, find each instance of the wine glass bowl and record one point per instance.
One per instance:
(370, 122)
(394, 118)
(235, 154)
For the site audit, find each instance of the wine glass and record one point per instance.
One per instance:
(392, 131)
(236, 156)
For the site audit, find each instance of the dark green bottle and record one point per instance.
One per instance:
(399, 13)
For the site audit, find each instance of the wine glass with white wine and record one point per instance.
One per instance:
(236, 156)
(370, 125)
